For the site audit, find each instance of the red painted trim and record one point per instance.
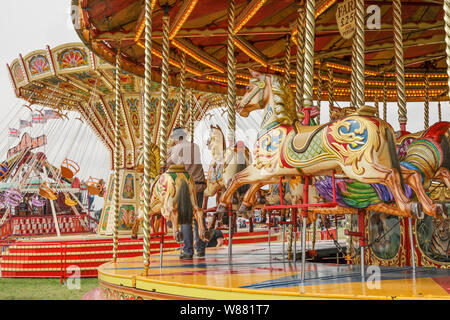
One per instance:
(52, 62)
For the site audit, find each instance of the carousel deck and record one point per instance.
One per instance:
(253, 275)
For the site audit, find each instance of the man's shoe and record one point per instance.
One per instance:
(185, 256)
(201, 254)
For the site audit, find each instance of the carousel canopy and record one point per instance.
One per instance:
(199, 29)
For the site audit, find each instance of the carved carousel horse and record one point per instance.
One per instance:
(225, 164)
(360, 147)
(173, 196)
(426, 152)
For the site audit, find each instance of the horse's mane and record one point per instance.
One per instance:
(284, 100)
(223, 136)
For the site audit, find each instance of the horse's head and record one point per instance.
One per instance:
(256, 95)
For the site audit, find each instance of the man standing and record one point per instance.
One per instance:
(188, 153)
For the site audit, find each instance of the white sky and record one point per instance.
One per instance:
(27, 25)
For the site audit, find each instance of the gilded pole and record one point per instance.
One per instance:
(399, 63)
(192, 114)
(116, 156)
(427, 103)
(447, 36)
(376, 105)
(231, 74)
(439, 111)
(287, 61)
(300, 60)
(319, 90)
(183, 105)
(330, 90)
(147, 132)
(359, 55)
(353, 75)
(384, 98)
(164, 91)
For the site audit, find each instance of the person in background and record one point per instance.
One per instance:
(217, 237)
(188, 153)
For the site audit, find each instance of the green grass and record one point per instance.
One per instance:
(43, 289)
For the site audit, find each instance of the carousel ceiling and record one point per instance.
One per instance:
(199, 29)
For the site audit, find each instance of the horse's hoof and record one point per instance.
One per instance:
(208, 234)
(243, 209)
(441, 210)
(179, 237)
(417, 210)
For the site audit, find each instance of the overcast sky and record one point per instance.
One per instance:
(28, 25)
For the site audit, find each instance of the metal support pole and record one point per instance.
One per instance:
(183, 104)
(304, 216)
(361, 240)
(359, 63)
(427, 103)
(300, 59)
(147, 133)
(319, 90)
(447, 35)
(287, 61)
(411, 243)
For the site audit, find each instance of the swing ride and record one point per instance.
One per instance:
(390, 187)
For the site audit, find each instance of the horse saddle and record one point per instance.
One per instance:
(304, 135)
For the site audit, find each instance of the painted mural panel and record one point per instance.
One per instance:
(72, 58)
(128, 187)
(385, 234)
(433, 238)
(126, 217)
(38, 64)
(105, 219)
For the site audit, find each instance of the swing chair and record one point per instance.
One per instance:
(4, 170)
(68, 201)
(69, 168)
(94, 186)
(48, 191)
(13, 197)
(36, 202)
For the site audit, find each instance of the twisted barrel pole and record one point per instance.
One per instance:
(359, 55)
(183, 105)
(164, 91)
(300, 60)
(231, 75)
(447, 36)
(399, 63)
(287, 61)
(116, 156)
(308, 85)
(427, 103)
(147, 132)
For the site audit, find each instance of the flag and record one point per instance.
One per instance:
(14, 132)
(51, 114)
(38, 118)
(24, 124)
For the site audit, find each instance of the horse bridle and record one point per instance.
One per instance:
(259, 88)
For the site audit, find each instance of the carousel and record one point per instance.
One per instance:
(286, 59)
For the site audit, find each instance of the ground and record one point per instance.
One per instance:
(43, 289)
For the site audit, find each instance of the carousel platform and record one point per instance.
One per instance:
(50, 256)
(258, 272)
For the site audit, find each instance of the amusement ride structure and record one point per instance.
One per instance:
(147, 66)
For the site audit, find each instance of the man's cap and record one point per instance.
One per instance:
(177, 133)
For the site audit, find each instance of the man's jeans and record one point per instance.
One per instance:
(186, 230)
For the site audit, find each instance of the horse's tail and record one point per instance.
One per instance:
(185, 210)
(243, 162)
(395, 162)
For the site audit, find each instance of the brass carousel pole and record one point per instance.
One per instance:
(308, 85)
(287, 61)
(401, 94)
(384, 98)
(231, 102)
(353, 75)
(164, 90)
(427, 103)
(399, 63)
(439, 110)
(319, 90)
(183, 105)
(192, 114)
(359, 75)
(377, 105)
(300, 60)
(447, 37)
(147, 132)
(330, 90)
(116, 156)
